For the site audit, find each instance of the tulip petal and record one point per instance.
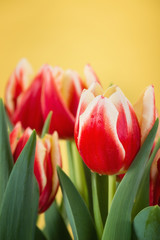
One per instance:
(146, 111)
(90, 75)
(71, 88)
(98, 141)
(96, 89)
(28, 110)
(17, 84)
(127, 126)
(86, 97)
(53, 101)
(53, 158)
(14, 136)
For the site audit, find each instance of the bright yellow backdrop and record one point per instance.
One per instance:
(120, 39)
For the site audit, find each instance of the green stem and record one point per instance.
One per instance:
(70, 160)
(80, 179)
(111, 189)
(96, 208)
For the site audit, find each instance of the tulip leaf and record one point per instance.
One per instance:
(146, 225)
(46, 124)
(142, 198)
(54, 218)
(79, 217)
(9, 124)
(6, 159)
(119, 224)
(18, 213)
(39, 235)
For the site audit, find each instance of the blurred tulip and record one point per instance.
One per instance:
(47, 156)
(52, 89)
(107, 132)
(61, 93)
(155, 181)
(146, 111)
(23, 99)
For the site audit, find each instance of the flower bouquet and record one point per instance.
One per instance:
(112, 190)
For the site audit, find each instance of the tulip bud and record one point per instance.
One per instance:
(47, 156)
(107, 132)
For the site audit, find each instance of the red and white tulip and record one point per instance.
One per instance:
(47, 157)
(146, 111)
(52, 89)
(107, 132)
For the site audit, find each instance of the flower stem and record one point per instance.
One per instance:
(80, 179)
(96, 208)
(111, 189)
(70, 160)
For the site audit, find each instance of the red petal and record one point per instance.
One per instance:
(53, 158)
(62, 119)
(29, 111)
(127, 126)
(17, 84)
(98, 142)
(14, 136)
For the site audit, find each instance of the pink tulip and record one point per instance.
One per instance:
(107, 132)
(47, 156)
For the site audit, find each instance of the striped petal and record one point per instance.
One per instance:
(53, 158)
(17, 84)
(52, 101)
(146, 111)
(14, 136)
(28, 110)
(127, 126)
(90, 75)
(98, 141)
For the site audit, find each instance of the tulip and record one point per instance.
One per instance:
(61, 94)
(23, 100)
(47, 156)
(146, 111)
(154, 197)
(52, 89)
(107, 132)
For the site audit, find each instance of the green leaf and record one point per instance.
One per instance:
(6, 159)
(118, 224)
(79, 217)
(46, 124)
(9, 124)
(142, 198)
(18, 213)
(55, 227)
(39, 235)
(146, 224)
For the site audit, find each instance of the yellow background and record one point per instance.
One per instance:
(120, 39)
